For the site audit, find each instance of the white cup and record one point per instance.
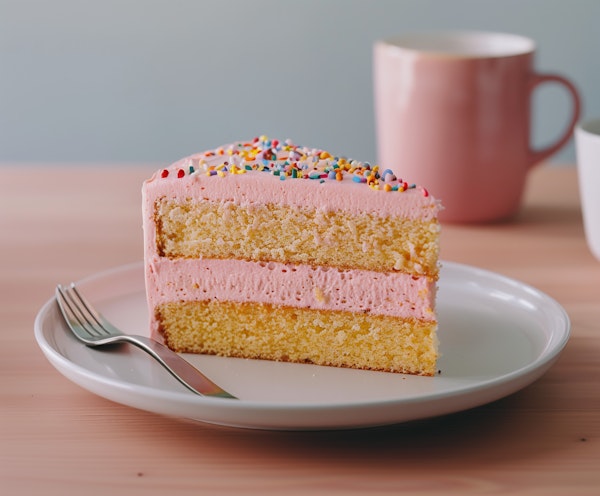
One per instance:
(587, 141)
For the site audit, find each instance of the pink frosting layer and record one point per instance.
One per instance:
(257, 188)
(393, 294)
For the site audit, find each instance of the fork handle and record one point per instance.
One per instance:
(180, 368)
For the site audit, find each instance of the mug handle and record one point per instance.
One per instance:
(536, 156)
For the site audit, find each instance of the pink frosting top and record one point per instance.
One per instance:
(264, 171)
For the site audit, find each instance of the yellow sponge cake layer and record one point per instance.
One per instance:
(280, 233)
(342, 339)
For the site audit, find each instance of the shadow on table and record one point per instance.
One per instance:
(527, 424)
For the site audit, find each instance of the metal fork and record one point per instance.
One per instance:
(90, 327)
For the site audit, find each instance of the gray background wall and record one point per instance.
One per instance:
(151, 81)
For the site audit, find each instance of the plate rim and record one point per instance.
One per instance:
(528, 373)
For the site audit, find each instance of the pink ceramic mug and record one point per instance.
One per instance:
(453, 114)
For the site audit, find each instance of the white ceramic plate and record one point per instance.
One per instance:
(497, 335)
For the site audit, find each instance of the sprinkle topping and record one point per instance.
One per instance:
(289, 161)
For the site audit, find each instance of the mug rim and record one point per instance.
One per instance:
(453, 44)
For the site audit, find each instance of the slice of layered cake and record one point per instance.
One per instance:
(264, 249)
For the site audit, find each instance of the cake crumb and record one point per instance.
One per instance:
(320, 296)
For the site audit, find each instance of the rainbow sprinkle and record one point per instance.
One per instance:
(286, 160)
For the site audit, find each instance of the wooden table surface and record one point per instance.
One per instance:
(60, 223)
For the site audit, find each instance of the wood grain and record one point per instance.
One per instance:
(60, 223)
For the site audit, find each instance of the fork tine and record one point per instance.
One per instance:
(66, 307)
(76, 311)
(92, 316)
